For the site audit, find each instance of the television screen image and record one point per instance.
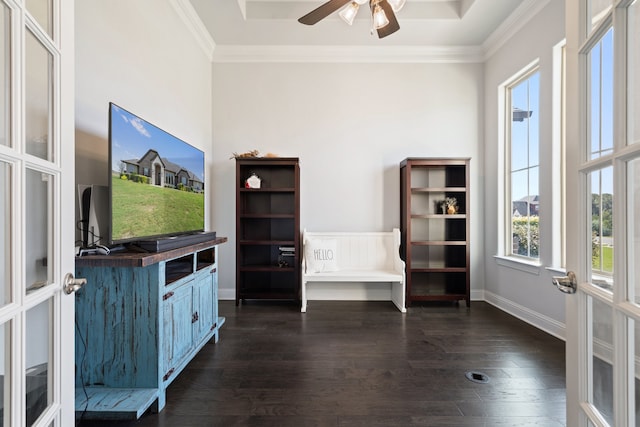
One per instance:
(156, 181)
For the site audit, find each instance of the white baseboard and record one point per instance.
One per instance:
(226, 294)
(540, 321)
(357, 292)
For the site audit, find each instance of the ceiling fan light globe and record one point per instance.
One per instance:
(380, 19)
(396, 5)
(349, 12)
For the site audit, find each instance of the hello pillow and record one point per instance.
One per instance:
(321, 255)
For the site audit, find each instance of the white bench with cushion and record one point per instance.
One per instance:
(333, 258)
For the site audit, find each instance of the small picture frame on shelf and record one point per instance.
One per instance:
(253, 181)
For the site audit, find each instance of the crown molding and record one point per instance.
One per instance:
(348, 54)
(514, 23)
(187, 13)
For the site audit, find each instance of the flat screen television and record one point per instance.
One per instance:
(156, 181)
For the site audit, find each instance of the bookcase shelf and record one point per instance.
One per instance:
(268, 229)
(435, 245)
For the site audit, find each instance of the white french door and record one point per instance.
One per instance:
(36, 205)
(603, 205)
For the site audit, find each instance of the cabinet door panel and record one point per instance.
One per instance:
(203, 305)
(178, 338)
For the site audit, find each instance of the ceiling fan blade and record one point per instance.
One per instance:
(393, 25)
(322, 12)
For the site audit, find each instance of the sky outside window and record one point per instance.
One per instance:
(525, 137)
(601, 93)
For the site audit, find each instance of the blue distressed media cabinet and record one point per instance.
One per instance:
(140, 319)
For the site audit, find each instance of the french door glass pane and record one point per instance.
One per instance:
(633, 230)
(633, 61)
(38, 355)
(597, 11)
(602, 356)
(5, 233)
(635, 373)
(38, 196)
(602, 245)
(5, 374)
(601, 96)
(39, 90)
(41, 10)
(5, 75)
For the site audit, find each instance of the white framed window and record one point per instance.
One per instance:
(601, 145)
(557, 225)
(522, 164)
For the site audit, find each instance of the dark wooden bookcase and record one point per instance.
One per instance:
(435, 244)
(268, 229)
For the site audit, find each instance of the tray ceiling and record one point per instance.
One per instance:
(423, 23)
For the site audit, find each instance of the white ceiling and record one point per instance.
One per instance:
(423, 23)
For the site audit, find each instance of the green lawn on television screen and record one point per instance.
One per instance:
(146, 210)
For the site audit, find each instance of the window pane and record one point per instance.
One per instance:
(524, 221)
(602, 247)
(633, 58)
(519, 192)
(633, 209)
(607, 91)
(524, 140)
(594, 85)
(5, 233)
(534, 180)
(534, 119)
(38, 194)
(38, 355)
(524, 102)
(5, 75)
(5, 373)
(39, 91)
(41, 11)
(602, 356)
(601, 96)
(634, 374)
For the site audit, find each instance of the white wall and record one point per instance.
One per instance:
(147, 63)
(350, 125)
(527, 295)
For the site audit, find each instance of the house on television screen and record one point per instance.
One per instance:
(154, 167)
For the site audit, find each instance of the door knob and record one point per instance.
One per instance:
(567, 284)
(71, 284)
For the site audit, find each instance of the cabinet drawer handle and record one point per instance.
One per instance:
(167, 296)
(194, 317)
(168, 374)
(213, 270)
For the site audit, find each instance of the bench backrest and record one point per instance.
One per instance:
(341, 251)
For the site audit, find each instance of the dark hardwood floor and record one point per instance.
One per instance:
(367, 364)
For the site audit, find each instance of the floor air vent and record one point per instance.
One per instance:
(477, 377)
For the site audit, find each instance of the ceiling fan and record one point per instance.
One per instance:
(383, 13)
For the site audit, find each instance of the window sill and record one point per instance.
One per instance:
(518, 264)
(557, 270)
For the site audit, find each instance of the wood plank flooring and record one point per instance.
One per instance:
(356, 364)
